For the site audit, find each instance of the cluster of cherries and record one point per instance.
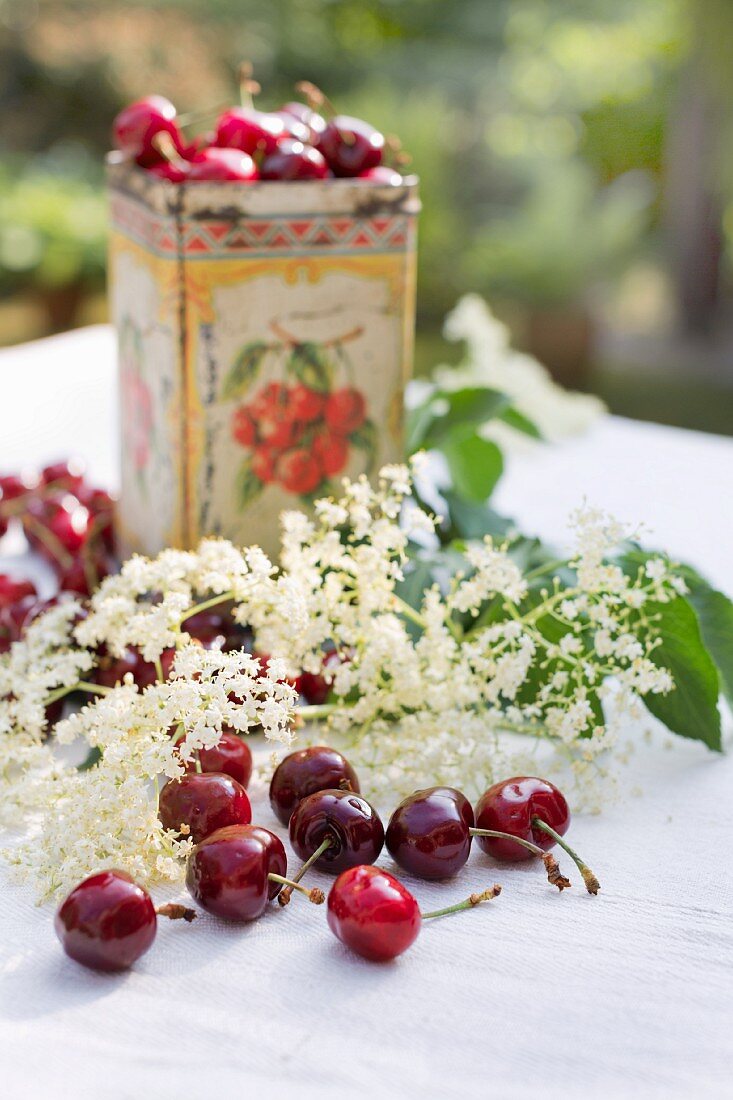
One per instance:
(298, 141)
(237, 868)
(69, 523)
(299, 437)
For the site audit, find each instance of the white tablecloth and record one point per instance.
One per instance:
(533, 995)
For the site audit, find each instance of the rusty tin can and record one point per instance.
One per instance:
(265, 336)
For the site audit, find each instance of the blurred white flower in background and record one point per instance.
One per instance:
(491, 361)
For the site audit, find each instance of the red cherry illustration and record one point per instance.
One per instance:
(277, 428)
(298, 472)
(107, 922)
(306, 404)
(243, 426)
(274, 394)
(371, 912)
(263, 464)
(331, 451)
(345, 410)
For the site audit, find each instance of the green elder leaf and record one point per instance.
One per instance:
(460, 409)
(475, 464)
(365, 438)
(312, 366)
(470, 519)
(248, 486)
(521, 423)
(691, 708)
(244, 370)
(715, 614)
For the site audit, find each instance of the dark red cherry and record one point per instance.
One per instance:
(292, 160)
(174, 170)
(12, 487)
(68, 475)
(314, 123)
(13, 590)
(227, 873)
(107, 922)
(111, 671)
(213, 165)
(84, 574)
(204, 802)
(136, 126)
(350, 145)
(382, 173)
(428, 834)
(348, 822)
(510, 806)
(371, 912)
(304, 772)
(231, 756)
(250, 131)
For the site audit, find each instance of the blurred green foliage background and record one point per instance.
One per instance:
(576, 160)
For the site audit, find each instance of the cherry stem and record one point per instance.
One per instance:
(315, 895)
(592, 884)
(248, 88)
(316, 99)
(467, 903)
(54, 545)
(326, 843)
(163, 144)
(176, 912)
(533, 848)
(198, 116)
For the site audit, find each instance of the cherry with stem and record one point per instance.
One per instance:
(468, 903)
(592, 884)
(285, 895)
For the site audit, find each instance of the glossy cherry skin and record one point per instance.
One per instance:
(304, 772)
(107, 922)
(352, 825)
(205, 802)
(371, 912)
(509, 807)
(250, 131)
(137, 125)
(315, 124)
(214, 165)
(292, 160)
(13, 590)
(382, 174)
(227, 872)
(350, 146)
(428, 833)
(111, 671)
(231, 757)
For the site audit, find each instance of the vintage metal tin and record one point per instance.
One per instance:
(265, 336)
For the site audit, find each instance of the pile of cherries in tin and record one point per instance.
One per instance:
(69, 523)
(297, 141)
(236, 868)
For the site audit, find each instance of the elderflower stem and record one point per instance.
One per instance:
(159, 669)
(315, 713)
(225, 597)
(80, 685)
(467, 903)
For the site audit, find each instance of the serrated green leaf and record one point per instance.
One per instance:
(248, 486)
(244, 371)
(365, 438)
(715, 614)
(475, 464)
(312, 366)
(691, 708)
(521, 423)
(467, 408)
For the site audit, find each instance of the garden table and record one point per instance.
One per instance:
(535, 994)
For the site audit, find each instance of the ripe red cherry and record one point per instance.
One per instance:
(174, 170)
(382, 174)
(350, 145)
(510, 807)
(68, 475)
(212, 164)
(298, 471)
(306, 771)
(83, 575)
(101, 506)
(204, 802)
(12, 487)
(13, 590)
(137, 125)
(250, 131)
(107, 922)
(371, 912)
(292, 160)
(231, 757)
(244, 428)
(315, 687)
(428, 834)
(227, 873)
(331, 451)
(314, 123)
(112, 670)
(345, 410)
(351, 827)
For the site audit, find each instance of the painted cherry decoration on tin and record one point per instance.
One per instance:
(302, 773)
(520, 815)
(234, 872)
(376, 916)
(200, 803)
(107, 922)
